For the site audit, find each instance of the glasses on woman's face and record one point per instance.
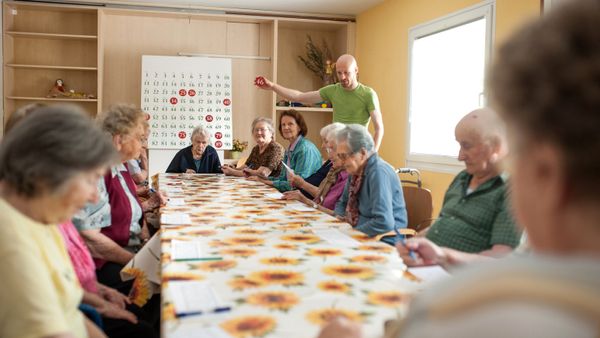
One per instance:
(344, 156)
(260, 130)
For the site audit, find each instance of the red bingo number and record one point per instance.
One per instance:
(182, 135)
(218, 135)
(218, 144)
(227, 102)
(191, 92)
(209, 118)
(182, 92)
(147, 116)
(260, 81)
(173, 100)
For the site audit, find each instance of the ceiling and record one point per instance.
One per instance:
(332, 8)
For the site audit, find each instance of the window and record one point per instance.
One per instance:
(447, 62)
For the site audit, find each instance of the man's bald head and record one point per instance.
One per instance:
(347, 71)
(485, 124)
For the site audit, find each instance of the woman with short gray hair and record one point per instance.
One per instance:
(198, 158)
(372, 201)
(265, 158)
(43, 184)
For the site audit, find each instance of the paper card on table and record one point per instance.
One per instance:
(173, 190)
(429, 273)
(301, 207)
(290, 170)
(191, 297)
(274, 195)
(181, 250)
(175, 202)
(193, 330)
(336, 237)
(175, 218)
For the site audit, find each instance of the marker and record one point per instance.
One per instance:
(401, 239)
(198, 259)
(198, 313)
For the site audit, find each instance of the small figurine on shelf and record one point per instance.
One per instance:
(58, 90)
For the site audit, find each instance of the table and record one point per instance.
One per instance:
(281, 279)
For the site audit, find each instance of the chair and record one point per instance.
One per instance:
(419, 203)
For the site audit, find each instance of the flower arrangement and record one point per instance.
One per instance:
(319, 61)
(239, 145)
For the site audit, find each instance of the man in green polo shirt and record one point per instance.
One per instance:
(475, 221)
(352, 101)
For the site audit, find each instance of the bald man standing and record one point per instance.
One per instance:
(352, 101)
(475, 217)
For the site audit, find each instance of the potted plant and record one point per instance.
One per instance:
(237, 148)
(319, 61)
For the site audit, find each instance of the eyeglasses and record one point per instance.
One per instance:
(344, 156)
(256, 130)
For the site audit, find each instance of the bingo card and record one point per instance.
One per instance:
(180, 93)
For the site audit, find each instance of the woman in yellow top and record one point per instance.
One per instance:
(50, 163)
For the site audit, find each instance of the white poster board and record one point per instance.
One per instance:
(180, 93)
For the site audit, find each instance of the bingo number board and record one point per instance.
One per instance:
(179, 93)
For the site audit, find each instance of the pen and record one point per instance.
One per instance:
(198, 313)
(401, 238)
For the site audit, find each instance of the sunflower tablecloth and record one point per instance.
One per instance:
(281, 279)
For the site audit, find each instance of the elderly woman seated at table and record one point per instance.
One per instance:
(302, 156)
(43, 183)
(330, 189)
(372, 201)
(265, 158)
(198, 158)
(309, 186)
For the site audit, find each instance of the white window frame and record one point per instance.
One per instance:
(485, 9)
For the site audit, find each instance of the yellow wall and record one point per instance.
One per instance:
(382, 53)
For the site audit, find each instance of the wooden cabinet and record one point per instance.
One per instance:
(43, 43)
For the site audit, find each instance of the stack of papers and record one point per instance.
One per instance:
(192, 298)
(189, 251)
(336, 237)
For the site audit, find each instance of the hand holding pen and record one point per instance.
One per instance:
(419, 251)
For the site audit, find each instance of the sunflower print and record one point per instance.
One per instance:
(177, 276)
(386, 298)
(250, 231)
(286, 246)
(283, 277)
(201, 232)
(249, 326)
(324, 252)
(324, 316)
(362, 237)
(274, 300)
(222, 265)
(238, 252)
(302, 238)
(244, 240)
(375, 247)
(373, 259)
(280, 261)
(349, 271)
(240, 283)
(140, 290)
(335, 286)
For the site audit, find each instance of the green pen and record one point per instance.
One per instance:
(199, 259)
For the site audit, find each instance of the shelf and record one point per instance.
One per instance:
(31, 98)
(307, 109)
(52, 36)
(17, 65)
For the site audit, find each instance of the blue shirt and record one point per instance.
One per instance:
(303, 157)
(380, 200)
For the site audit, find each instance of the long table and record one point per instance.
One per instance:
(281, 278)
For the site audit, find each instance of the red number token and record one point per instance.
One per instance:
(191, 92)
(173, 100)
(218, 135)
(227, 102)
(260, 81)
(147, 116)
(182, 135)
(209, 118)
(182, 92)
(218, 144)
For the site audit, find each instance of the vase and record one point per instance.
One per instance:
(236, 155)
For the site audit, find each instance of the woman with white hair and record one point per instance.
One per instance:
(372, 201)
(198, 158)
(328, 191)
(265, 158)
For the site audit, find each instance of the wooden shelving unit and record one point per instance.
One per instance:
(305, 109)
(43, 43)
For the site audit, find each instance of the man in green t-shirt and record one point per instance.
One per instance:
(352, 101)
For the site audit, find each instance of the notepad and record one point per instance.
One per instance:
(429, 273)
(196, 331)
(194, 297)
(176, 218)
(175, 202)
(274, 195)
(300, 207)
(336, 237)
(181, 250)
